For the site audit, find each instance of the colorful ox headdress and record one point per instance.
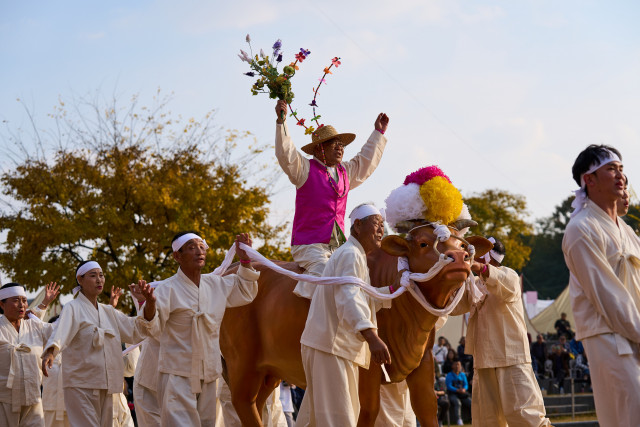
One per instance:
(427, 196)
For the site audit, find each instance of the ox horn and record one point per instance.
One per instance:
(463, 223)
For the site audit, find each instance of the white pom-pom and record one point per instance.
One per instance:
(404, 203)
(465, 212)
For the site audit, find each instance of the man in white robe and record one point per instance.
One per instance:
(190, 308)
(21, 343)
(602, 253)
(341, 330)
(505, 390)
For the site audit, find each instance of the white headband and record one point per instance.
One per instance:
(493, 254)
(364, 211)
(13, 291)
(180, 241)
(87, 267)
(581, 194)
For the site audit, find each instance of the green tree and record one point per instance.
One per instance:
(120, 184)
(546, 271)
(502, 215)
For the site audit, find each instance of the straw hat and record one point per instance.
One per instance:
(325, 133)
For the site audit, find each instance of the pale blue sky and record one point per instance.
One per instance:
(500, 94)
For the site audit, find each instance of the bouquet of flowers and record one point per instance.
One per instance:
(270, 80)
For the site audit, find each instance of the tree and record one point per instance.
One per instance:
(501, 214)
(546, 271)
(116, 189)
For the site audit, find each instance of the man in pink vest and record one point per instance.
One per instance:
(322, 186)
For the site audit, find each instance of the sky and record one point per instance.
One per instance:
(499, 94)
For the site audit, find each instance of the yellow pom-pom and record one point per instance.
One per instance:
(443, 200)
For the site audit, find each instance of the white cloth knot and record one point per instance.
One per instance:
(442, 232)
(98, 336)
(579, 202)
(15, 393)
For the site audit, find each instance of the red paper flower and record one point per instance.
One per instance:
(300, 122)
(300, 57)
(336, 62)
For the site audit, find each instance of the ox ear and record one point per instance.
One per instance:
(395, 245)
(481, 244)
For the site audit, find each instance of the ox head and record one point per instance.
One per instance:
(422, 248)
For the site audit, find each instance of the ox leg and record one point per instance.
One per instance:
(268, 385)
(369, 395)
(421, 388)
(244, 388)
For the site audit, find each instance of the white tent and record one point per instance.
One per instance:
(545, 321)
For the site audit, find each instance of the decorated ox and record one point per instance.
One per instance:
(261, 341)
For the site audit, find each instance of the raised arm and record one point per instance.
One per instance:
(367, 160)
(294, 164)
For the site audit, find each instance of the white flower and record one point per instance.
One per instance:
(261, 53)
(248, 39)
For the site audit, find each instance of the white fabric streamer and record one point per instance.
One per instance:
(493, 254)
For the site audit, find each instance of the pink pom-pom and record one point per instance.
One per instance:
(423, 175)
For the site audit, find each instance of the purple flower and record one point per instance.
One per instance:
(305, 52)
(279, 58)
(250, 74)
(313, 103)
(277, 45)
(244, 56)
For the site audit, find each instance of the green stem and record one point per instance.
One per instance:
(282, 117)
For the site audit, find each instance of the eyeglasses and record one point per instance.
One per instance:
(334, 144)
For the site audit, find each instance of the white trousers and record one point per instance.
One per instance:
(272, 414)
(88, 407)
(507, 396)
(395, 406)
(147, 408)
(312, 258)
(615, 380)
(121, 412)
(29, 416)
(50, 420)
(331, 397)
(180, 408)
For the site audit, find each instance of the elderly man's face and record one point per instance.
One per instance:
(192, 255)
(370, 232)
(333, 152)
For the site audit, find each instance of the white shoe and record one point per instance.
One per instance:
(460, 423)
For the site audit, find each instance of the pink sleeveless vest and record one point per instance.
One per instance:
(318, 206)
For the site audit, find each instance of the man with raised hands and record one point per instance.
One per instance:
(341, 330)
(603, 256)
(190, 307)
(322, 187)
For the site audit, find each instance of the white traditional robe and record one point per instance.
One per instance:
(20, 374)
(505, 390)
(603, 258)
(188, 327)
(121, 412)
(55, 414)
(226, 415)
(296, 166)
(90, 340)
(145, 385)
(332, 345)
